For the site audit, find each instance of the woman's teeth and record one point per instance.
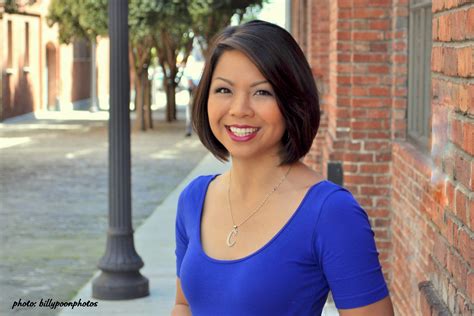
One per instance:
(243, 131)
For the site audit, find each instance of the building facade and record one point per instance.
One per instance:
(396, 82)
(39, 73)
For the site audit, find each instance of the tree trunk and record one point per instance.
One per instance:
(143, 120)
(148, 103)
(170, 102)
(93, 105)
(138, 125)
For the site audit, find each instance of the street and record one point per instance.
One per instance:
(54, 200)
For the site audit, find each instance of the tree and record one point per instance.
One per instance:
(173, 39)
(141, 19)
(210, 16)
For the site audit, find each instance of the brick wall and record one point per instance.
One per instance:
(21, 82)
(62, 77)
(350, 45)
(317, 53)
(420, 202)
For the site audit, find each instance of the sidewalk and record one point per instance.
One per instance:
(154, 242)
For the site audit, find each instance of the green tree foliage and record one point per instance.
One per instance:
(210, 16)
(78, 19)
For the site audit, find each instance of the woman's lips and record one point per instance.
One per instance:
(241, 133)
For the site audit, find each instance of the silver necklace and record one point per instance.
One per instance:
(232, 236)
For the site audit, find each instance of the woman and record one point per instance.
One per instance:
(270, 236)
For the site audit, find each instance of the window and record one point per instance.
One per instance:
(10, 45)
(27, 44)
(81, 50)
(419, 73)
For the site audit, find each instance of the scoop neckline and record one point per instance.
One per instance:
(261, 249)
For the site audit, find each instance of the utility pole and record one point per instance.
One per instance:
(120, 278)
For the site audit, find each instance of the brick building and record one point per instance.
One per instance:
(396, 80)
(37, 73)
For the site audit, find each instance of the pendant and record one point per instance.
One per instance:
(232, 237)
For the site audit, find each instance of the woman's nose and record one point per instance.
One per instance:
(240, 106)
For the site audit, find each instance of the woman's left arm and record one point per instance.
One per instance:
(381, 308)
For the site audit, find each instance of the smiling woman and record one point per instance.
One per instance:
(269, 236)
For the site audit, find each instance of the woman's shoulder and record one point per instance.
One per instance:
(339, 207)
(197, 186)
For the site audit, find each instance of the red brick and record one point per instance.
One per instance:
(374, 168)
(458, 29)
(367, 79)
(369, 13)
(462, 168)
(470, 285)
(358, 179)
(371, 102)
(380, 69)
(458, 269)
(450, 201)
(367, 35)
(379, 91)
(383, 180)
(465, 245)
(358, 157)
(471, 214)
(380, 24)
(344, 35)
(369, 124)
(470, 24)
(365, 190)
(440, 251)
(465, 61)
(461, 205)
(442, 28)
(468, 136)
(371, 58)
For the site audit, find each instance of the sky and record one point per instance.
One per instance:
(274, 12)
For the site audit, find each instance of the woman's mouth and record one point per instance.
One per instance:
(242, 134)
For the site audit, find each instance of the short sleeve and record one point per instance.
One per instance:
(181, 235)
(345, 248)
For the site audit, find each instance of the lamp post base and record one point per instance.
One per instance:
(120, 286)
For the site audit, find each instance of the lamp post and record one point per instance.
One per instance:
(120, 277)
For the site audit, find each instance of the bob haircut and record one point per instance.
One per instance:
(280, 60)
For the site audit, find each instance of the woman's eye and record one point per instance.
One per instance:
(263, 92)
(222, 90)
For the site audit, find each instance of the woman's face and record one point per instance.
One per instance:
(242, 108)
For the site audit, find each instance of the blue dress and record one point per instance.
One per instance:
(327, 244)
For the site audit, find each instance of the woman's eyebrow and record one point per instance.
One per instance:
(231, 83)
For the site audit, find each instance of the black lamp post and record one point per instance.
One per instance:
(120, 278)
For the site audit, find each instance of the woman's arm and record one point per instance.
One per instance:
(380, 308)
(181, 306)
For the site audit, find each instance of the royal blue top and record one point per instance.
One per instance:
(327, 244)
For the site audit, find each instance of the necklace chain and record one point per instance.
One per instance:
(231, 238)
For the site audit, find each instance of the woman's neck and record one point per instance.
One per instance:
(251, 179)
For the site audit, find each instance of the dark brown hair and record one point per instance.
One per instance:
(280, 60)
